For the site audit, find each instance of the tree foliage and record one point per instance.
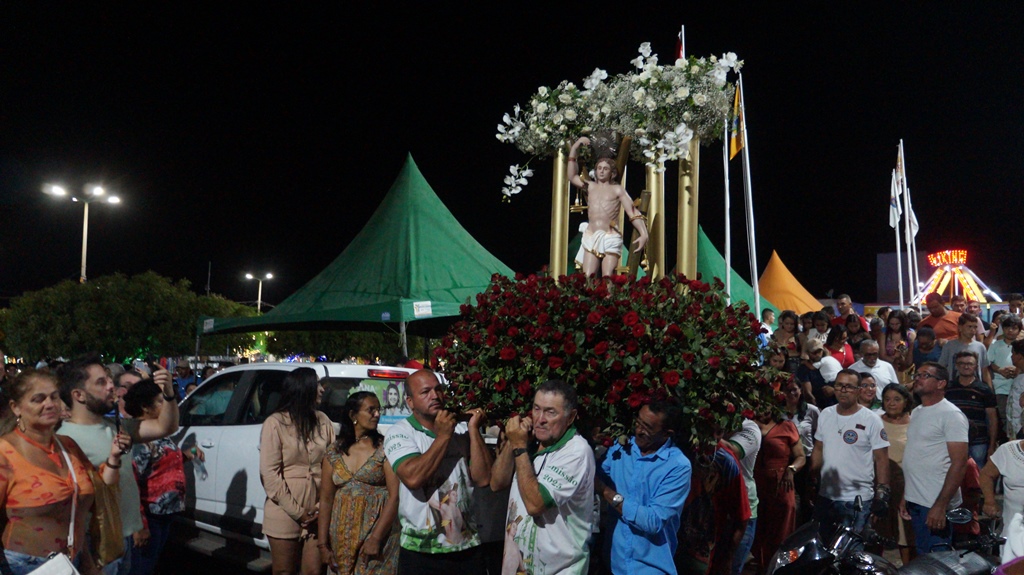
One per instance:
(120, 316)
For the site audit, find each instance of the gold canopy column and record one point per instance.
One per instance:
(656, 223)
(559, 216)
(689, 177)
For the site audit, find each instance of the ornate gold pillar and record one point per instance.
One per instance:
(656, 223)
(559, 215)
(686, 223)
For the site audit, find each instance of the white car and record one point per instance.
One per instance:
(223, 416)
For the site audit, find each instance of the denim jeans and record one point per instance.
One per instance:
(15, 563)
(124, 564)
(740, 557)
(144, 558)
(830, 515)
(926, 539)
(979, 453)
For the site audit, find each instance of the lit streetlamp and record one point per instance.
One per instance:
(90, 194)
(259, 290)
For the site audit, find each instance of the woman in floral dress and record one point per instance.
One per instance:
(361, 492)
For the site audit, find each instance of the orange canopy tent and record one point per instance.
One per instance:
(779, 286)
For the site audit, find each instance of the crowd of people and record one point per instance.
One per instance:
(910, 415)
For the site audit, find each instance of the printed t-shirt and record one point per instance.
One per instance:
(95, 441)
(848, 443)
(926, 458)
(434, 518)
(558, 540)
(748, 438)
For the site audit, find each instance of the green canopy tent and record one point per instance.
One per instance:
(411, 267)
(711, 264)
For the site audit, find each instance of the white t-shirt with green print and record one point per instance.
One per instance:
(434, 518)
(556, 541)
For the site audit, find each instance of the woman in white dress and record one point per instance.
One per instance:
(1007, 462)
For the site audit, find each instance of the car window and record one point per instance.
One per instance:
(208, 403)
(265, 397)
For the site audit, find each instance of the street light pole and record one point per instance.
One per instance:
(85, 239)
(259, 289)
(90, 195)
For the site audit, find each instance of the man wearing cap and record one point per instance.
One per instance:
(817, 374)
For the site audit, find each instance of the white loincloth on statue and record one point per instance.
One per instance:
(599, 243)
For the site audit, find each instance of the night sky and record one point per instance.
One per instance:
(262, 140)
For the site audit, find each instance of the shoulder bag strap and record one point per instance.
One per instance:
(74, 499)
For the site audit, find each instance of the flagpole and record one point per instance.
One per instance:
(728, 224)
(748, 198)
(906, 220)
(895, 224)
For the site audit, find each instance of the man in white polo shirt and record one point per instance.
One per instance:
(438, 463)
(551, 505)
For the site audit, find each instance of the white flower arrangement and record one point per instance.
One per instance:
(663, 106)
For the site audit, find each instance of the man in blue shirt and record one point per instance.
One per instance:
(645, 484)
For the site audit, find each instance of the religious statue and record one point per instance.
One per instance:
(602, 243)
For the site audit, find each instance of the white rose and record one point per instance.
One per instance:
(564, 98)
(638, 95)
(543, 91)
(700, 99)
(558, 118)
(682, 92)
(694, 69)
(570, 115)
(541, 108)
(606, 109)
(570, 86)
(687, 116)
(650, 104)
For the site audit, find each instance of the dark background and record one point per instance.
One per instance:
(262, 139)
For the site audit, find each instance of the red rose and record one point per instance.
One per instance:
(748, 413)
(687, 374)
(594, 317)
(636, 400)
(636, 379)
(554, 362)
(601, 348)
(508, 353)
(714, 361)
(730, 408)
(569, 346)
(613, 397)
(688, 357)
(732, 322)
(639, 329)
(538, 354)
(619, 385)
(632, 345)
(513, 331)
(542, 318)
(631, 318)
(617, 365)
(670, 378)
(500, 386)
(470, 396)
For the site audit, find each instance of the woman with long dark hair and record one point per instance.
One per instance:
(359, 495)
(293, 442)
(805, 417)
(897, 345)
(836, 346)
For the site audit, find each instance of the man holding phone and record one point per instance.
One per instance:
(87, 387)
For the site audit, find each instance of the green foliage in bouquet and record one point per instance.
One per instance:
(622, 343)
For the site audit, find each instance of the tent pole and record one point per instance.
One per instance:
(403, 342)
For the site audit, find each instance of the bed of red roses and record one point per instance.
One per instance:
(620, 342)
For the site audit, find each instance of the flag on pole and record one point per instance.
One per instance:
(681, 43)
(895, 209)
(736, 139)
(911, 216)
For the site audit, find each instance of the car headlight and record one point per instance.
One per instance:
(784, 557)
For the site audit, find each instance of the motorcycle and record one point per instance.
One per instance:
(807, 552)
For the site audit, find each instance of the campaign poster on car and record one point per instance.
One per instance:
(392, 399)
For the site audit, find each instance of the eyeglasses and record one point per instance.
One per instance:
(869, 385)
(847, 388)
(924, 375)
(965, 364)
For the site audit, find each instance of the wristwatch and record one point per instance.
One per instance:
(617, 499)
(518, 451)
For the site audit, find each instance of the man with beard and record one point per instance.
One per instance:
(87, 387)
